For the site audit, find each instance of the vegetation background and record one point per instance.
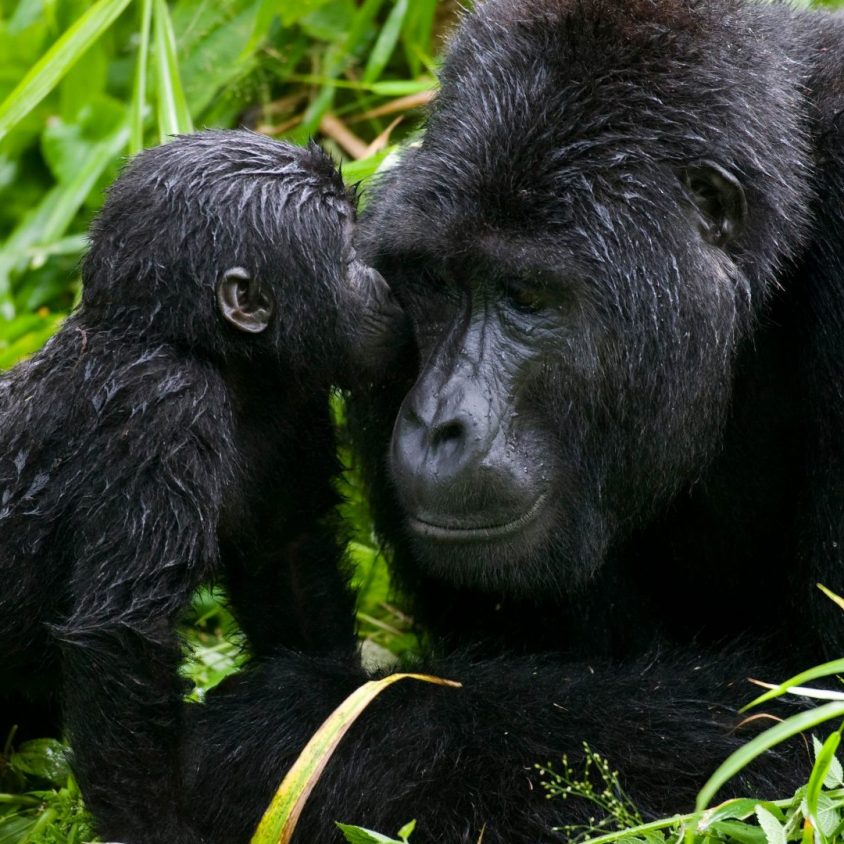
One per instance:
(84, 84)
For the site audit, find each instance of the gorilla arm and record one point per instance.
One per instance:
(462, 761)
(145, 538)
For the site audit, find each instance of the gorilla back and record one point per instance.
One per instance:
(621, 245)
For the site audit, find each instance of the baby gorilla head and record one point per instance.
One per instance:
(232, 243)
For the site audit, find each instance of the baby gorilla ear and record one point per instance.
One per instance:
(243, 301)
(719, 198)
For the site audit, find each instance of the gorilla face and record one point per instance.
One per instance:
(575, 363)
(585, 233)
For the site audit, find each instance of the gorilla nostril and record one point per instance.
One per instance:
(447, 432)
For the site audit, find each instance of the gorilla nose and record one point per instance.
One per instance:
(442, 447)
(448, 461)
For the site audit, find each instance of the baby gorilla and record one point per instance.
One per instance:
(177, 431)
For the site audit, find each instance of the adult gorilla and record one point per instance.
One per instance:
(621, 245)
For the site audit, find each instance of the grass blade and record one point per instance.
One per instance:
(139, 90)
(386, 43)
(173, 115)
(836, 599)
(765, 741)
(336, 57)
(280, 820)
(836, 666)
(57, 61)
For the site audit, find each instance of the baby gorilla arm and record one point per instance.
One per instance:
(145, 540)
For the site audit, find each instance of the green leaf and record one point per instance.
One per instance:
(215, 60)
(67, 146)
(44, 758)
(289, 13)
(407, 830)
(16, 828)
(835, 775)
(820, 770)
(25, 335)
(359, 835)
(337, 57)
(279, 822)
(173, 115)
(828, 815)
(738, 808)
(765, 741)
(265, 13)
(57, 61)
(292, 12)
(416, 35)
(738, 833)
(329, 21)
(386, 43)
(772, 828)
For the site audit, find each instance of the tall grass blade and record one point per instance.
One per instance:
(836, 666)
(173, 114)
(264, 15)
(57, 61)
(386, 43)
(418, 26)
(336, 58)
(836, 599)
(279, 822)
(765, 741)
(139, 90)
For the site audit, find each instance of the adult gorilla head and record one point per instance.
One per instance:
(596, 214)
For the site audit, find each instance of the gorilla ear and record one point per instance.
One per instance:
(243, 302)
(720, 201)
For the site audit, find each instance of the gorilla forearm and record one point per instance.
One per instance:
(122, 691)
(461, 760)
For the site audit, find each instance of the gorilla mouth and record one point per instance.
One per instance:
(456, 532)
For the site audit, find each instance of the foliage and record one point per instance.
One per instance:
(44, 804)
(814, 815)
(597, 784)
(359, 835)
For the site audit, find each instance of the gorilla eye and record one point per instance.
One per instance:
(527, 300)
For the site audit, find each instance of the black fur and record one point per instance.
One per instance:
(151, 447)
(621, 244)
